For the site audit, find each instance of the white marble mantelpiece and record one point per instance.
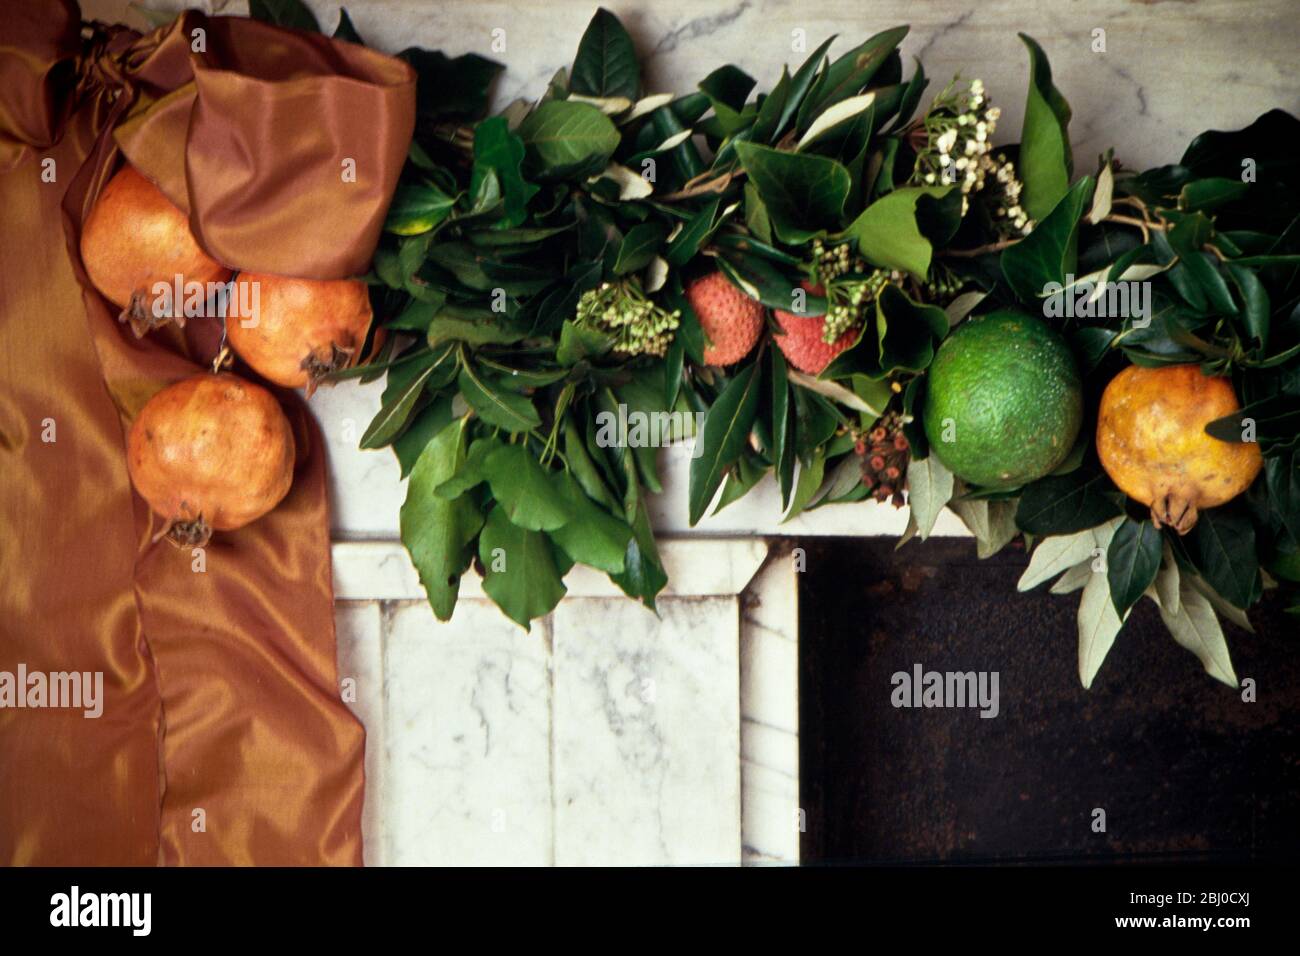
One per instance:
(487, 744)
(607, 734)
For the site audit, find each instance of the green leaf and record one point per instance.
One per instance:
(1282, 478)
(641, 244)
(803, 87)
(568, 140)
(437, 531)
(902, 338)
(497, 406)
(1224, 542)
(1255, 303)
(450, 88)
(1062, 504)
(929, 488)
(1047, 254)
(286, 13)
(497, 148)
(1045, 161)
(606, 64)
(411, 443)
(594, 537)
(417, 208)
(783, 450)
(406, 383)
(687, 242)
(521, 573)
(1132, 562)
(727, 88)
(581, 343)
(475, 326)
(724, 436)
(811, 474)
(1206, 194)
(887, 234)
(643, 576)
(525, 489)
(853, 71)
(804, 194)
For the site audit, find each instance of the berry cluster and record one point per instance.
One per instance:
(620, 309)
(885, 452)
(847, 299)
(957, 148)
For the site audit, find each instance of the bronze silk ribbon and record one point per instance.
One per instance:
(222, 739)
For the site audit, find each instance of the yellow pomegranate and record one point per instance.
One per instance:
(1152, 442)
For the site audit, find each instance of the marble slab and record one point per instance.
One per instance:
(467, 739)
(647, 733)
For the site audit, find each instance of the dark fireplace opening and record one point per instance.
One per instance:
(1173, 764)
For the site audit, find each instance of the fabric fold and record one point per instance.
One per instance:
(223, 739)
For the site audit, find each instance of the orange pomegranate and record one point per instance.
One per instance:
(211, 452)
(134, 240)
(1152, 442)
(295, 331)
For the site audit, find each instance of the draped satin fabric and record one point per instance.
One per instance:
(223, 739)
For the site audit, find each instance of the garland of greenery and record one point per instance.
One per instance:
(533, 271)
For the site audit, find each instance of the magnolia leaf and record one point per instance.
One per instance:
(1098, 625)
(285, 13)
(606, 64)
(830, 118)
(609, 105)
(630, 184)
(647, 105)
(929, 488)
(723, 437)
(565, 138)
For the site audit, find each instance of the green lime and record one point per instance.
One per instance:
(1003, 403)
